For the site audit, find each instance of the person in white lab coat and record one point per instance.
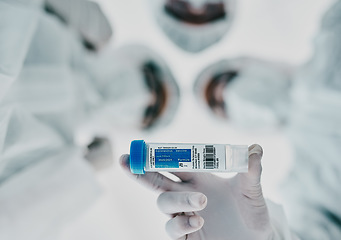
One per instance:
(49, 86)
(203, 206)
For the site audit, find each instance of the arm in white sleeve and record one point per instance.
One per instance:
(44, 183)
(279, 223)
(15, 40)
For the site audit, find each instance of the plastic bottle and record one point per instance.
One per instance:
(187, 157)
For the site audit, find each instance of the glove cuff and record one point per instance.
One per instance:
(279, 222)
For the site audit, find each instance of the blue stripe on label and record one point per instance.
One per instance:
(170, 158)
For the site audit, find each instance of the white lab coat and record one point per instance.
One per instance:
(48, 86)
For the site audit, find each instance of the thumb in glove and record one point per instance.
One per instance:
(249, 194)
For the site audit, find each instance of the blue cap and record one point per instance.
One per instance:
(137, 156)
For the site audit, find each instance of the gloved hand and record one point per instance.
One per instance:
(84, 16)
(205, 206)
(99, 153)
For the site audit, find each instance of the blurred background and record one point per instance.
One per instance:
(275, 30)
(279, 31)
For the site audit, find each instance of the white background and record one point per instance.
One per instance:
(279, 30)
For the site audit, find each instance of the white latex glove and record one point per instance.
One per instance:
(99, 153)
(205, 206)
(84, 16)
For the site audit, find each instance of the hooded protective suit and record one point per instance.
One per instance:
(312, 189)
(311, 113)
(49, 84)
(44, 182)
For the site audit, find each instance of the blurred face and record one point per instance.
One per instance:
(195, 12)
(158, 101)
(139, 87)
(194, 25)
(214, 91)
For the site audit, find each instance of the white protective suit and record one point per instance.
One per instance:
(44, 182)
(312, 190)
(48, 85)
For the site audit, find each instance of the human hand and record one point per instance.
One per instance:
(86, 17)
(205, 206)
(99, 153)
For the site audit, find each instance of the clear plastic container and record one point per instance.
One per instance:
(187, 157)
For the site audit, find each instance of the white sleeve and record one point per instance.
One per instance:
(43, 183)
(46, 196)
(15, 40)
(279, 222)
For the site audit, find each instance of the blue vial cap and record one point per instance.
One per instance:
(137, 156)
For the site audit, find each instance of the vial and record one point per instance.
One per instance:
(187, 157)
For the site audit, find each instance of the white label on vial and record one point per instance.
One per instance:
(187, 157)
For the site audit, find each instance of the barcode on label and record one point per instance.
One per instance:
(209, 157)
